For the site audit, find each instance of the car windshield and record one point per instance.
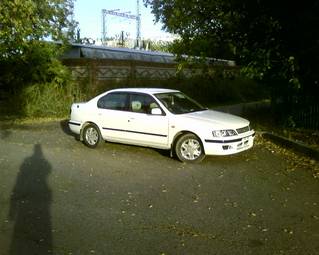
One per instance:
(179, 103)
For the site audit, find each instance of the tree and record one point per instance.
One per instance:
(27, 58)
(25, 21)
(274, 41)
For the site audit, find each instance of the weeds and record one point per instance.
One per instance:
(48, 100)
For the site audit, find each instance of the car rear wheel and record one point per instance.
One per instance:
(91, 136)
(189, 148)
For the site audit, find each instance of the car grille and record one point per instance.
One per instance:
(243, 130)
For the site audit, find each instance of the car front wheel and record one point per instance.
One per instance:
(189, 148)
(91, 136)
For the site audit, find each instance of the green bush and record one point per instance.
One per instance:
(38, 84)
(209, 91)
(53, 97)
(47, 100)
(219, 91)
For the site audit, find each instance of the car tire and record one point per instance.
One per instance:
(189, 148)
(92, 136)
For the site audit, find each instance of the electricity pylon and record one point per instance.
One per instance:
(116, 12)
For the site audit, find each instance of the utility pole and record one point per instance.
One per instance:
(138, 24)
(116, 12)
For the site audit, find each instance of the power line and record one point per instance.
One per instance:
(126, 15)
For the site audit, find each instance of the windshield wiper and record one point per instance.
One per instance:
(198, 110)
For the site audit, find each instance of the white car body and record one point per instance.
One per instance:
(161, 130)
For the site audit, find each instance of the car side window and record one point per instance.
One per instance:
(142, 103)
(113, 101)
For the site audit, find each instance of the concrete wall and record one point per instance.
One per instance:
(101, 74)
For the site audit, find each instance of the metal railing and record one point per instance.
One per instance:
(308, 117)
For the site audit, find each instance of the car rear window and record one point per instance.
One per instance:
(113, 101)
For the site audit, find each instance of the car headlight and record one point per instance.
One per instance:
(223, 133)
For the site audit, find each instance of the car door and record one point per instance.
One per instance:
(113, 116)
(146, 128)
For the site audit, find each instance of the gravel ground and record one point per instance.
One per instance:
(59, 197)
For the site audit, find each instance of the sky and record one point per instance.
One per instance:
(88, 13)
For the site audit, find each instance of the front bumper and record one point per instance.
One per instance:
(230, 146)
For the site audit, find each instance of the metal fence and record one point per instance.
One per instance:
(308, 117)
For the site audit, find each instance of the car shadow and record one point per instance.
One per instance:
(66, 130)
(4, 132)
(164, 153)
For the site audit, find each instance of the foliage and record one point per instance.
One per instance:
(40, 85)
(218, 90)
(25, 21)
(197, 25)
(47, 99)
(25, 56)
(275, 42)
(31, 73)
(162, 46)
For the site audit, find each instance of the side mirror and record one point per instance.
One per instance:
(156, 111)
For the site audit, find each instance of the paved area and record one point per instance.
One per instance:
(59, 197)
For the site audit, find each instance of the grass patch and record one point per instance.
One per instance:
(40, 101)
(264, 119)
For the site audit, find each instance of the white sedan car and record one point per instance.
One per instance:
(160, 118)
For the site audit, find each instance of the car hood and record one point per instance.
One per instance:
(218, 119)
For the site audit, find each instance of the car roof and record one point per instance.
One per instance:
(145, 90)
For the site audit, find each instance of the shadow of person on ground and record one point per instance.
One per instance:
(30, 207)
